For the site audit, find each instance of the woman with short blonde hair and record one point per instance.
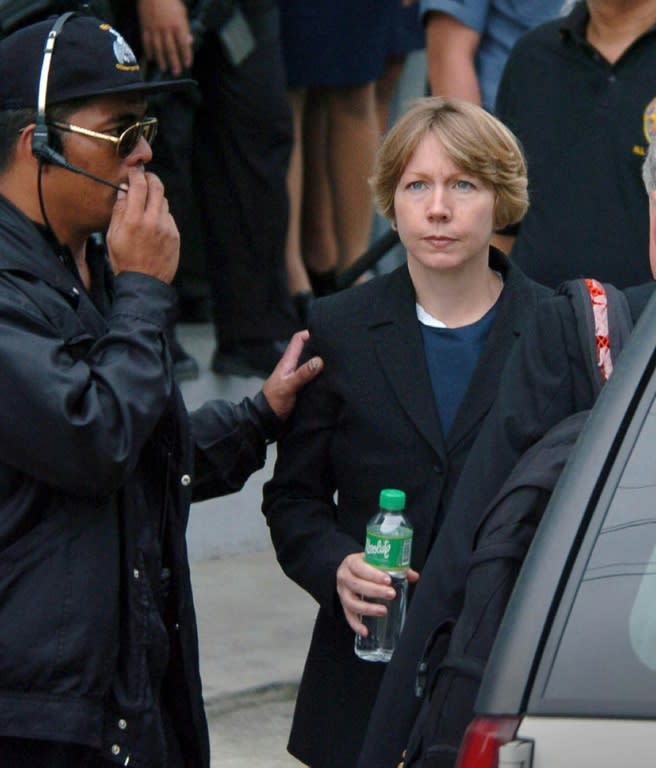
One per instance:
(475, 140)
(411, 366)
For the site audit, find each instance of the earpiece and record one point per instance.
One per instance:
(44, 152)
(41, 148)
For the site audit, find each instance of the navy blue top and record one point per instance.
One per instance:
(451, 355)
(342, 42)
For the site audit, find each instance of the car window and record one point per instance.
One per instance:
(605, 660)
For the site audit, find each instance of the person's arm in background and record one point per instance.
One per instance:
(451, 56)
(166, 34)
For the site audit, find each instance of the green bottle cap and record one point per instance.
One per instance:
(392, 499)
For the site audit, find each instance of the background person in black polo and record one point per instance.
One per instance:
(580, 93)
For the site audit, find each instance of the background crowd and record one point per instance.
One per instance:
(292, 130)
(267, 165)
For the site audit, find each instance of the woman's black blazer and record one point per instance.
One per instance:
(368, 422)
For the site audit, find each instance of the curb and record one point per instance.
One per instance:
(220, 705)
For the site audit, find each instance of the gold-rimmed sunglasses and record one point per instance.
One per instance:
(126, 142)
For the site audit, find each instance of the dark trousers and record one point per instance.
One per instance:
(32, 753)
(243, 142)
(224, 166)
(172, 162)
(28, 753)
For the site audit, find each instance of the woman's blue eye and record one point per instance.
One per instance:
(463, 184)
(416, 185)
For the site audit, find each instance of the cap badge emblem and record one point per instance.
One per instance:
(126, 61)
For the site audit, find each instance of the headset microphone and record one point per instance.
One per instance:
(47, 154)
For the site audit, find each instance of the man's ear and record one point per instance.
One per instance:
(24, 144)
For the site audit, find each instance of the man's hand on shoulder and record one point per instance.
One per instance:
(287, 378)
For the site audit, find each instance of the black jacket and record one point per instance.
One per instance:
(451, 669)
(369, 422)
(545, 380)
(97, 460)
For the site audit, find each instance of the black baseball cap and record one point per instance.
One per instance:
(90, 58)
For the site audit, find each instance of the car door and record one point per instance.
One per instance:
(572, 677)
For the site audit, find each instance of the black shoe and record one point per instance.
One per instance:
(185, 367)
(248, 358)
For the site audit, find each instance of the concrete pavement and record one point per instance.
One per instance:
(254, 624)
(254, 627)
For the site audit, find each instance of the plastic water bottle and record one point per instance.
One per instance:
(388, 547)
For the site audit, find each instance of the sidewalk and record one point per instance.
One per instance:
(254, 627)
(254, 624)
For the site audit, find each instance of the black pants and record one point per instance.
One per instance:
(224, 165)
(244, 137)
(28, 753)
(172, 162)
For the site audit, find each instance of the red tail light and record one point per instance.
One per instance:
(482, 740)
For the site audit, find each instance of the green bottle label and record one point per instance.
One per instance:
(390, 553)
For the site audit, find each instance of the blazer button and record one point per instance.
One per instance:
(185, 480)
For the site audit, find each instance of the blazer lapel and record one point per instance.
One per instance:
(397, 338)
(483, 386)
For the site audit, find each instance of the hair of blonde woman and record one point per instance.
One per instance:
(476, 141)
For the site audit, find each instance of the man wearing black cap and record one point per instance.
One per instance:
(98, 457)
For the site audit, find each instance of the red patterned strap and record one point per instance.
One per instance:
(599, 301)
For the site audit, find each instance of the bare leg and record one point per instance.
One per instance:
(297, 278)
(353, 137)
(319, 245)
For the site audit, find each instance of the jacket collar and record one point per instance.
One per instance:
(400, 350)
(399, 347)
(505, 330)
(28, 249)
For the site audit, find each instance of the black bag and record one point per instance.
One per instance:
(452, 666)
(451, 669)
